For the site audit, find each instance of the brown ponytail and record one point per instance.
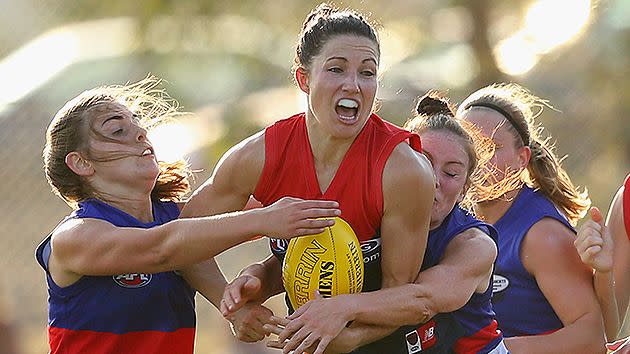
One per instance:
(544, 170)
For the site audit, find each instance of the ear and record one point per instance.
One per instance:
(301, 77)
(78, 164)
(524, 154)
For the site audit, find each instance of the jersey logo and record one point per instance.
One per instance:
(371, 250)
(421, 338)
(278, 246)
(499, 283)
(133, 280)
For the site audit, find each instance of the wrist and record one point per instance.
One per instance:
(256, 222)
(350, 305)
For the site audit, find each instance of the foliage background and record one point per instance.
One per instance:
(229, 63)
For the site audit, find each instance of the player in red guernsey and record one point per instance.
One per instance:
(605, 246)
(448, 308)
(337, 149)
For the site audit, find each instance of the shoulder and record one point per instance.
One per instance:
(477, 241)
(406, 164)
(616, 220)
(69, 235)
(548, 242)
(249, 149)
(550, 235)
(243, 163)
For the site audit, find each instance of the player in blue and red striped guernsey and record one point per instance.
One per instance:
(110, 265)
(543, 294)
(448, 309)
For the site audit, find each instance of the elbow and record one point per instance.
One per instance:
(424, 308)
(596, 342)
(423, 313)
(162, 251)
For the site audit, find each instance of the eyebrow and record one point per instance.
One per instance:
(116, 117)
(456, 163)
(344, 59)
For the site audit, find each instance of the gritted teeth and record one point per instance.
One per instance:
(147, 151)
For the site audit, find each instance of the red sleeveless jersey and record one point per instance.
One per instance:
(357, 185)
(626, 205)
(289, 170)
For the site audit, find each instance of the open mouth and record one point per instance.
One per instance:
(147, 152)
(347, 110)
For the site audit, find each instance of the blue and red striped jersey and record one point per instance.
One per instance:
(122, 313)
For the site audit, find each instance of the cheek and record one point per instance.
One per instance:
(451, 191)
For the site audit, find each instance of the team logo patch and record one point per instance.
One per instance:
(499, 283)
(371, 250)
(421, 338)
(278, 246)
(133, 280)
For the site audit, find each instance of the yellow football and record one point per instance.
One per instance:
(330, 262)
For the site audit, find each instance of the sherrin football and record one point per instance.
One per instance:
(330, 262)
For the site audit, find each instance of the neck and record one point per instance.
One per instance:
(139, 208)
(327, 150)
(492, 210)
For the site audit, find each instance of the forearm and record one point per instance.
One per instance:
(358, 335)
(439, 289)
(582, 336)
(403, 305)
(606, 295)
(186, 241)
(207, 279)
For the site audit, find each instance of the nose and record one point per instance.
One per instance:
(351, 83)
(141, 135)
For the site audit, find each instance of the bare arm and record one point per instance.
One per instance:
(408, 193)
(226, 190)
(605, 247)
(569, 290)
(95, 247)
(621, 259)
(466, 268)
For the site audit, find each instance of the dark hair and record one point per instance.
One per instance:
(70, 128)
(325, 22)
(544, 170)
(435, 112)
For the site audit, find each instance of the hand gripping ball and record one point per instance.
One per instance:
(330, 262)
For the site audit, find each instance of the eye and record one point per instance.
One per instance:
(335, 70)
(368, 73)
(117, 131)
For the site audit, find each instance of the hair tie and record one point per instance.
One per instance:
(523, 134)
